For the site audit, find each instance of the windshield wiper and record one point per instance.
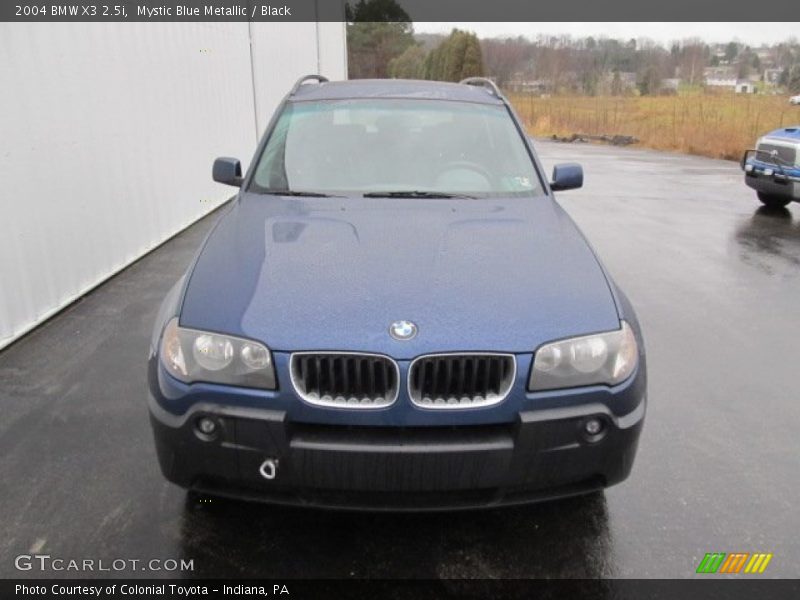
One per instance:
(296, 193)
(413, 194)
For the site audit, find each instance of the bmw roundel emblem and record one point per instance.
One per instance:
(403, 330)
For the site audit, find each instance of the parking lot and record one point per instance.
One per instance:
(715, 281)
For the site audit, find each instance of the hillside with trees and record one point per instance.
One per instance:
(591, 66)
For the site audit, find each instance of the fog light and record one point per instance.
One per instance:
(593, 429)
(593, 426)
(206, 426)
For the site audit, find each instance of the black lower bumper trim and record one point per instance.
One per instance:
(545, 454)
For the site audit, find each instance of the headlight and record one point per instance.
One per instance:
(191, 355)
(604, 358)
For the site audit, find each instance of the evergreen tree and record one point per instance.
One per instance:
(454, 56)
(377, 32)
(410, 64)
(473, 58)
(457, 57)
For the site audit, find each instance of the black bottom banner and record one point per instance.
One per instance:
(416, 589)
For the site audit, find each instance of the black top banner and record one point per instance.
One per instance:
(417, 10)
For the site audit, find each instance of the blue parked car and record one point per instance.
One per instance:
(772, 168)
(395, 314)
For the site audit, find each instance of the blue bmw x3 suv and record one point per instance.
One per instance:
(394, 313)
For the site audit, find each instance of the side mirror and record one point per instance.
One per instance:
(567, 176)
(747, 154)
(227, 170)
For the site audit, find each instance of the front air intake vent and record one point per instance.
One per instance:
(345, 380)
(461, 380)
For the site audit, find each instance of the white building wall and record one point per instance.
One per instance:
(107, 136)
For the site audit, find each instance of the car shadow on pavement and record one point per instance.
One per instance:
(564, 538)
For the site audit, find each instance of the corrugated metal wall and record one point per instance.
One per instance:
(108, 132)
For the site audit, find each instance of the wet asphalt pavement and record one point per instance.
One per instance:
(716, 284)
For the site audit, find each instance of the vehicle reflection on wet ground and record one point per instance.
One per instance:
(770, 234)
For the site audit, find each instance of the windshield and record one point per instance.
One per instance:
(776, 154)
(417, 148)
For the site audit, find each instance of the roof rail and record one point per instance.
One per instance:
(305, 78)
(485, 82)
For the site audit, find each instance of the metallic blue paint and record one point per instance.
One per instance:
(791, 134)
(334, 273)
(762, 165)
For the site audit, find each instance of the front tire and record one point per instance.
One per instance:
(772, 201)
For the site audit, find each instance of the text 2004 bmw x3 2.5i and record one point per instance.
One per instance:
(394, 313)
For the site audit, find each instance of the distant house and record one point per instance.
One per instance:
(522, 83)
(718, 74)
(525, 82)
(740, 86)
(671, 84)
(728, 82)
(718, 54)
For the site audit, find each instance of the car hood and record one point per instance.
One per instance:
(334, 273)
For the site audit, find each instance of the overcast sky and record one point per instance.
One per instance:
(753, 34)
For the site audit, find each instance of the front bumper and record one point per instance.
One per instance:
(531, 448)
(784, 183)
